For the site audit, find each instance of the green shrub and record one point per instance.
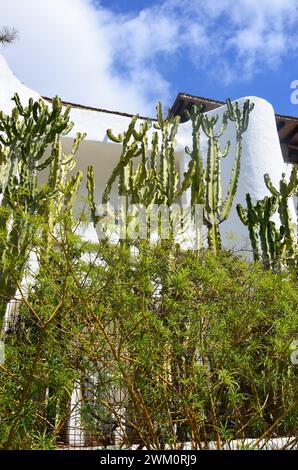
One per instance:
(167, 346)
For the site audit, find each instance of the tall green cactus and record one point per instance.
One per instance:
(213, 201)
(156, 179)
(60, 190)
(249, 218)
(168, 175)
(205, 183)
(286, 190)
(29, 144)
(152, 180)
(276, 246)
(194, 177)
(264, 237)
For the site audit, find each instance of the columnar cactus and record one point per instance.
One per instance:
(277, 246)
(194, 177)
(152, 180)
(286, 190)
(29, 144)
(213, 201)
(264, 237)
(168, 176)
(131, 141)
(205, 183)
(249, 218)
(155, 179)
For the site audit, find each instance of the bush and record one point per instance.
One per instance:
(165, 346)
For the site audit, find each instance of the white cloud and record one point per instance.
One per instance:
(65, 48)
(244, 36)
(89, 54)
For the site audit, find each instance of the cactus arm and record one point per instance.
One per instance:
(249, 218)
(218, 189)
(270, 186)
(260, 206)
(194, 177)
(187, 178)
(118, 171)
(91, 194)
(154, 151)
(129, 133)
(226, 150)
(71, 190)
(160, 118)
(232, 188)
(117, 139)
(241, 213)
(293, 183)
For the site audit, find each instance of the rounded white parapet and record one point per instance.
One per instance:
(94, 123)
(9, 85)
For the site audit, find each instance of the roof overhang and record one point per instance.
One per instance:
(287, 126)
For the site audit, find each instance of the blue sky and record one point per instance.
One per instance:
(127, 54)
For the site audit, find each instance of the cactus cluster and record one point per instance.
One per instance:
(144, 177)
(286, 190)
(261, 229)
(155, 180)
(276, 247)
(30, 144)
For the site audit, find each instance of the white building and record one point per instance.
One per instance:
(269, 145)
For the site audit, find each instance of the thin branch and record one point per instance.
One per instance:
(8, 35)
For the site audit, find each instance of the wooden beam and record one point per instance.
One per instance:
(290, 135)
(280, 125)
(293, 157)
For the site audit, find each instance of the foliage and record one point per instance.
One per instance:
(162, 345)
(8, 35)
(156, 178)
(277, 247)
(34, 183)
(195, 348)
